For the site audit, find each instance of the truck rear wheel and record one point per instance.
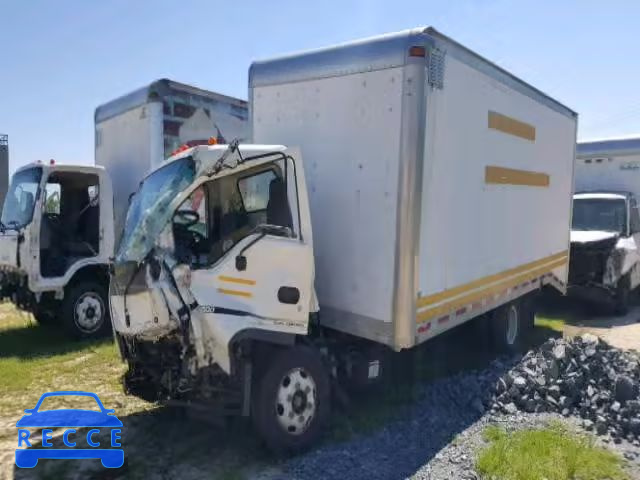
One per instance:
(85, 311)
(509, 326)
(291, 401)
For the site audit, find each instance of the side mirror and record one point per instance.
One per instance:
(241, 263)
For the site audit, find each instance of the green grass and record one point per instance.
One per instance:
(552, 453)
(30, 354)
(39, 358)
(555, 324)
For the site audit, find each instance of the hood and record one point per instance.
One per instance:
(590, 236)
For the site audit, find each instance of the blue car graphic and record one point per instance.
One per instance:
(70, 418)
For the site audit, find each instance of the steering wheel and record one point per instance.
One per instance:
(186, 218)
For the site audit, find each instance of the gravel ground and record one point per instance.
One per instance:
(437, 437)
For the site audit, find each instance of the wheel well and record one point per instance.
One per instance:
(98, 273)
(253, 343)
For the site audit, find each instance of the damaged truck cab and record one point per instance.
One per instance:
(605, 232)
(56, 238)
(216, 251)
(605, 236)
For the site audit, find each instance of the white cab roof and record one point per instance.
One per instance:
(600, 196)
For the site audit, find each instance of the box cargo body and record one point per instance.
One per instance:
(440, 185)
(608, 165)
(136, 132)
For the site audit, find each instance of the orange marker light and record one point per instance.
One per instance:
(417, 51)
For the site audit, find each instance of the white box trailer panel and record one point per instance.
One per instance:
(438, 182)
(608, 165)
(138, 131)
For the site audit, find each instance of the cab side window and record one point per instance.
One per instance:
(52, 199)
(223, 211)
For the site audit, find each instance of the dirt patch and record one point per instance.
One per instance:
(620, 332)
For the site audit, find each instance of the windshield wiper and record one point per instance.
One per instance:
(219, 165)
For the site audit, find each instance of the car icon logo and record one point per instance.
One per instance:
(70, 419)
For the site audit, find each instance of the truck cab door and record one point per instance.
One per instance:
(252, 258)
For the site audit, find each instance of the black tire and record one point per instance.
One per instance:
(622, 296)
(268, 414)
(44, 316)
(76, 326)
(503, 321)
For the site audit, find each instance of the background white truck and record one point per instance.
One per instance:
(435, 189)
(605, 233)
(57, 234)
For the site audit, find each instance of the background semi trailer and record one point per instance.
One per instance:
(605, 233)
(136, 132)
(435, 189)
(58, 233)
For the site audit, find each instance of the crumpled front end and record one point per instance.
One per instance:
(151, 339)
(157, 326)
(589, 260)
(598, 261)
(15, 269)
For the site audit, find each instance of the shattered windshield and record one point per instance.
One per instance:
(21, 198)
(149, 213)
(608, 215)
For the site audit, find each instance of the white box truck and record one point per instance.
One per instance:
(58, 233)
(435, 189)
(605, 232)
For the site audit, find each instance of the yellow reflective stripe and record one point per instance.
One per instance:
(242, 281)
(511, 126)
(429, 313)
(238, 293)
(511, 176)
(452, 292)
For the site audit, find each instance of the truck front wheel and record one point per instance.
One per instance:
(85, 311)
(291, 401)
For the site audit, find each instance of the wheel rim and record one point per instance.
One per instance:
(88, 312)
(296, 401)
(512, 325)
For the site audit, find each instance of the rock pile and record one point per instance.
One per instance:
(584, 377)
